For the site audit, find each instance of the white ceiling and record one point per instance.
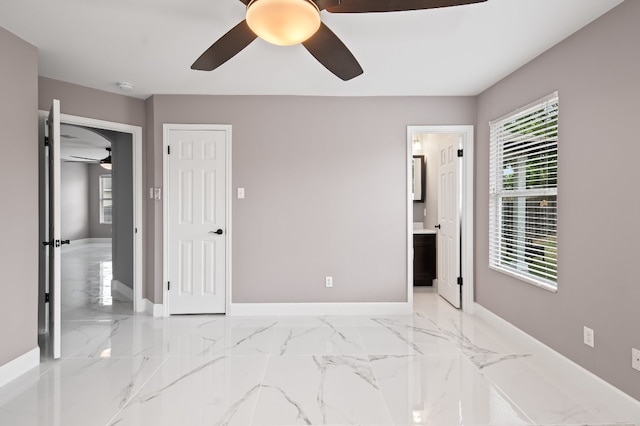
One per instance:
(152, 43)
(82, 145)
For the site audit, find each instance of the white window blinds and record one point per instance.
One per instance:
(523, 193)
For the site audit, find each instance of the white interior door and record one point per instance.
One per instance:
(55, 239)
(197, 222)
(449, 220)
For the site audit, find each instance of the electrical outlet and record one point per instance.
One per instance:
(328, 282)
(589, 337)
(635, 358)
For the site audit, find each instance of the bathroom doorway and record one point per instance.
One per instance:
(444, 207)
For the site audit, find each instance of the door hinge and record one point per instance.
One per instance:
(459, 280)
(46, 141)
(168, 285)
(169, 149)
(135, 230)
(460, 152)
(47, 299)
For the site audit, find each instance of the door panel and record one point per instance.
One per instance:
(196, 211)
(449, 220)
(54, 250)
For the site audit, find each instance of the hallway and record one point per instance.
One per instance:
(86, 284)
(435, 367)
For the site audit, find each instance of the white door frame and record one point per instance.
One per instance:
(467, 179)
(136, 138)
(167, 127)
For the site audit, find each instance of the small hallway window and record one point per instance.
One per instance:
(106, 199)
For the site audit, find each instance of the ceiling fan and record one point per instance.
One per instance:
(288, 22)
(104, 162)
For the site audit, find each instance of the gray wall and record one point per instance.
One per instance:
(152, 257)
(74, 200)
(18, 189)
(122, 243)
(325, 180)
(96, 229)
(596, 72)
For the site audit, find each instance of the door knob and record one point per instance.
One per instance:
(219, 232)
(437, 226)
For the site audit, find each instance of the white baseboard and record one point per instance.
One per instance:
(17, 367)
(122, 288)
(154, 309)
(561, 366)
(81, 243)
(302, 309)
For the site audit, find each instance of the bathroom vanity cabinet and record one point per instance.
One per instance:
(424, 258)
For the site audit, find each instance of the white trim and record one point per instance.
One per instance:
(122, 288)
(20, 365)
(561, 366)
(156, 310)
(318, 309)
(409, 192)
(165, 207)
(468, 146)
(468, 219)
(136, 139)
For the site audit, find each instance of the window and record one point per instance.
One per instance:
(106, 199)
(523, 193)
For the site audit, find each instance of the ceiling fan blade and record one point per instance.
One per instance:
(230, 44)
(331, 52)
(324, 4)
(85, 158)
(365, 6)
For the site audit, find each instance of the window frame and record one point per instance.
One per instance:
(520, 258)
(102, 198)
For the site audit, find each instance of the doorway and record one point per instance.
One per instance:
(129, 139)
(449, 149)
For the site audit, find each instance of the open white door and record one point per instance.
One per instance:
(449, 216)
(197, 219)
(55, 239)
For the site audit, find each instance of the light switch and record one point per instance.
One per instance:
(240, 193)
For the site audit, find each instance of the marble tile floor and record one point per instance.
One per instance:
(435, 367)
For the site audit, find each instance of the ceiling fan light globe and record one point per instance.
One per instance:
(283, 22)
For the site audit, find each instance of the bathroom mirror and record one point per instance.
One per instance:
(419, 178)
